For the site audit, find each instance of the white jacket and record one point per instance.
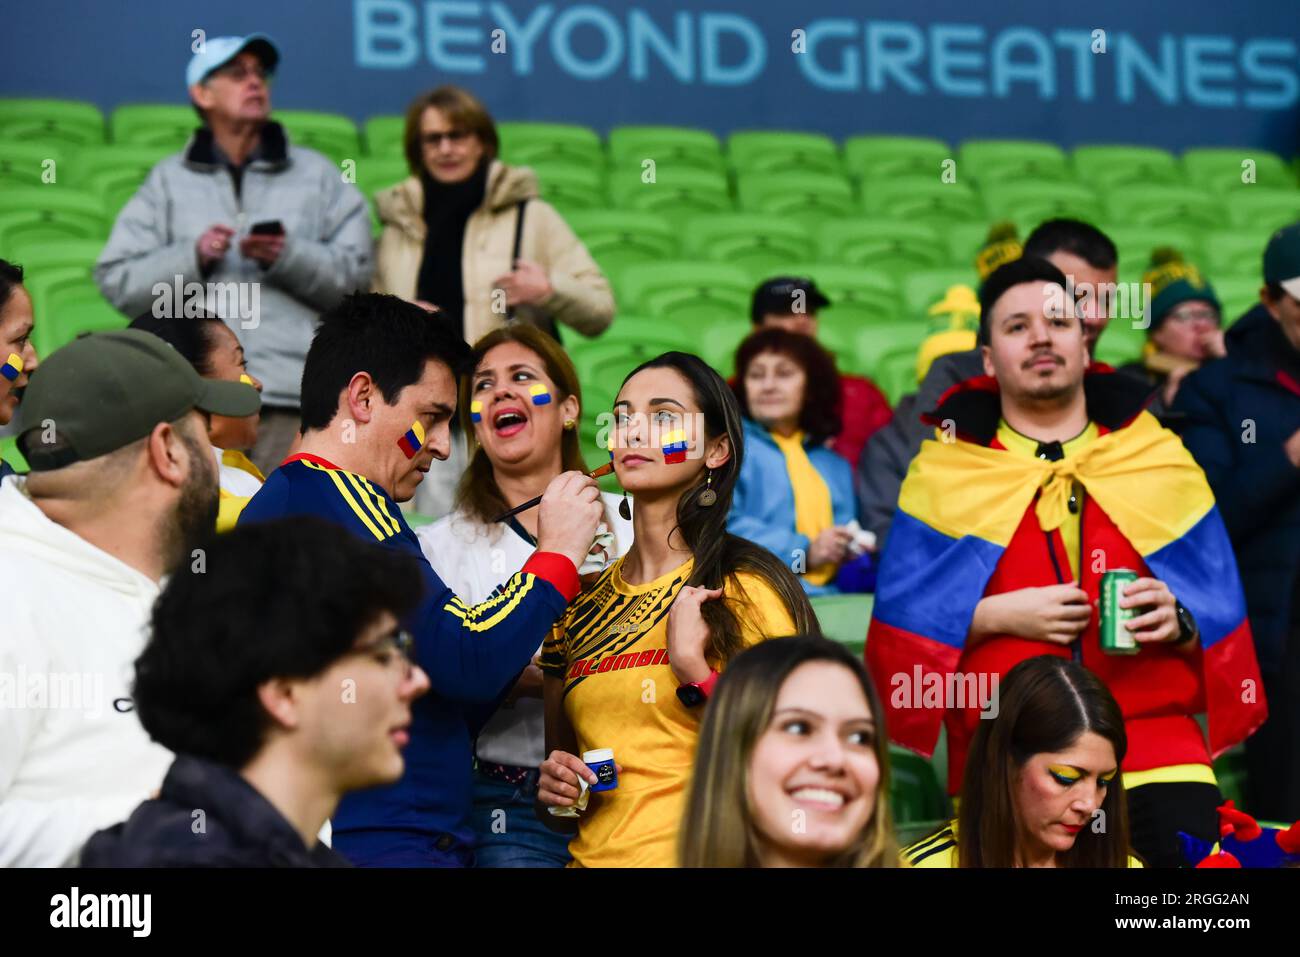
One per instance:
(73, 756)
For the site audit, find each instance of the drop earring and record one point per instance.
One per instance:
(708, 496)
(625, 509)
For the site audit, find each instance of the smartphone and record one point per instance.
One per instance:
(268, 227)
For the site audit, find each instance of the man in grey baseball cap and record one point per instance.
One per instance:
(123, 487)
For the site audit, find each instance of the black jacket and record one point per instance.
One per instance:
(1240, 410)
(206, 815)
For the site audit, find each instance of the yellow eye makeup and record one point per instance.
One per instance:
(1064, 775)
(1105, 779)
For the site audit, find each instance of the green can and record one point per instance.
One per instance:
(1115, 638)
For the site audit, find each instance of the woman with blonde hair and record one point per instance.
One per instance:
(792, 768)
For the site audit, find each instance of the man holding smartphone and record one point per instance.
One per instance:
(270, 229)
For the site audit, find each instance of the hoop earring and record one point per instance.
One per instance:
(708, 496)
(625, 509)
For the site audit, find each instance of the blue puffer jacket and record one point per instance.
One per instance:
(1240, 410)
(762, 508)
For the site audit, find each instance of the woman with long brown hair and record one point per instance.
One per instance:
(1042, 786)
(520, 407)
(632, 662)
(792, 768)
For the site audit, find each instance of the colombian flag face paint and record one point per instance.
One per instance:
(246, 379)
(476, 411)
(674, 444)
(540, 394)
(13, 368)
(411, 442)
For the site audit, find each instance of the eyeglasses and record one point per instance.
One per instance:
(453, 137)
(238, 72)
(1194, 314)
(400, 645)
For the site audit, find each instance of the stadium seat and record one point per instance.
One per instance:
(1237, 294)
(887, 244)
(894, 371)
(689, 293)
(890, 157)
(630, 333)
(1258, 207)
(1162, 206)
(925, 287)
(1239, 253)
(624, 237)
(67, 303)
(9, 453)
(988, 161)
(528, 144)
(1120, 343)
(415, 519)
(113, 173)
(1105, 167)
(921, 199)
(1222, 168)
(859, 295)
(757, 243)
(669, 146)
(783, 151)
(719, 342)
(40, 256)
(29, 164)
(887, 338)
(330, 133)
(964, 241)
(844, 618)
(569, 187)
(809, 198)
(383, 135)
(49, 212)
(675, 193)
(1029, 202)
(915, 794)
(59, 123)
(167, 125)
(1134, 244)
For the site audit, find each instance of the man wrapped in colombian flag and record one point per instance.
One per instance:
(1046, 473)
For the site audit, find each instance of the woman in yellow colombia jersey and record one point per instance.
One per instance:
(629, 666)
(1041, 787)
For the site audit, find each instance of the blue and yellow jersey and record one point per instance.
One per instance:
(472, 654)
(940, 850)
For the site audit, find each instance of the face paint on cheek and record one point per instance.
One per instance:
(476, 411)
(674, 444)
(540, 394)
(13, 367)
(412, 441)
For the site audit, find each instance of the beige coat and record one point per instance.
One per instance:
(582, 297)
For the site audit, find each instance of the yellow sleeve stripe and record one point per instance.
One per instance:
(520, 586)
(373, 503)
(1170, 774)
(347, 497)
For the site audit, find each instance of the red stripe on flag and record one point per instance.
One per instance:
(1234, 693)
(892, 652)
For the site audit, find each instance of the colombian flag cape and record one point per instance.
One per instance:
(971, 521)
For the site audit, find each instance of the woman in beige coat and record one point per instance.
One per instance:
(450, 231)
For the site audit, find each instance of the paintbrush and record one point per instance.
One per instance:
(597, 473)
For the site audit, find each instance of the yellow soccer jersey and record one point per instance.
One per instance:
(611, 649)
(940, 850)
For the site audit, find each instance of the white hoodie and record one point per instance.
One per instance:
(73, 756)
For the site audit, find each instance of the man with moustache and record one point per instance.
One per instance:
(1054, 475)
(122, 485)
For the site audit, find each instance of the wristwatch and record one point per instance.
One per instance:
(1187, 630)
(697, 692)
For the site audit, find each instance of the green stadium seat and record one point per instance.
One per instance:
(987, 161)
(859, 295)
(1030, 202)
(41, 256)
(719, 342)
(9, 453)
(882, 244)
(61, 124)
(964, 241)
(1105, 167)
(1120, 343)
(1230, 771)
(783, 151)
(915, 794)
(872, 158)
(925, 287)
(67, 303)
(618, 238)
(1237, 294)
(114, 173)
(809, 198)
(52, 212)
(887, 338)
(330, 133)
(640, 336)
(669, 146)
(24, 164)
(758, 243)
(384, 135)
(844, 618)
(527, 144)
(1161, 206)
(1135, 244)
(1239, 253)
(675, 193)
(166, 125)
(1258, 207)
(923, 200)
(568, 187)
(894, 371)
(689, 293)
(1222, 168)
